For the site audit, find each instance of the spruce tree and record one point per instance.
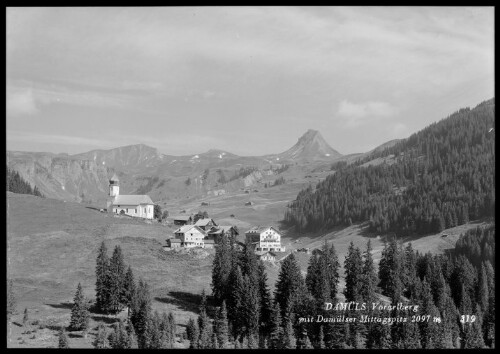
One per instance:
(119, 337)
(221, 327)
(172, 329)
(63, 339)
(276, 332)
(101, 340)
(353, 268)
(141, 312)
(131, 337)
(116, 277)
(79, 312)
(129, 290)
(192, 333)
(265, 300)
(473, 335)
(102, 279)
(482, 297)
(290, 284)
(321, 339)
(369, 276)
(288, 340)
(221, 270)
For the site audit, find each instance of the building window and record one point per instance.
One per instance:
(127, 210)
(135, 211)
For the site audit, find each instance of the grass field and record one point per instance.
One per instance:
(52, 246)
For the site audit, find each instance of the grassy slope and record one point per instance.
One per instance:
(53, 245)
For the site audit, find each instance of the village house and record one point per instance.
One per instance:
(174, 243)
(134, 205)
(265, 238)
(183, 220)
(190, 236)
(205, 223)
(217, 232)
(266, 256)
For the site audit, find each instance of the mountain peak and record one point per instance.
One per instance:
(310, 146)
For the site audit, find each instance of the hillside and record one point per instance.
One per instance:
(440, 177)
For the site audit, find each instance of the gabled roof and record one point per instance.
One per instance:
(186, 228)
(261, 253)
(121, 199)
(204, 222)
(216, 230)
(260, 229)
(182, 217)
(114, 178)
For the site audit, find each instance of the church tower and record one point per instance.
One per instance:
(114, 191)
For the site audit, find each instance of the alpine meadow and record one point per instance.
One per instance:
(250, 178)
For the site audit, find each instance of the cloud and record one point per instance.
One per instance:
(358, 113)
(21, 102)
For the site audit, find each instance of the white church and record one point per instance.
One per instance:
(140, 206)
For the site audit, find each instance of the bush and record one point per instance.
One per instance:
(122, 212)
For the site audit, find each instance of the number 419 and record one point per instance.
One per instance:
(467, 318)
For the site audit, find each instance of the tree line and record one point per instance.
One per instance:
(442, 176)
(16, 184)
(450, 288)
(116, 289)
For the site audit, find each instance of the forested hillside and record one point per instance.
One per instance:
(442, 176)
(16, 184)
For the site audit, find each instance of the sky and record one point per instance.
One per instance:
(248, 80)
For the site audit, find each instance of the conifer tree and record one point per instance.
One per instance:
(429, 330)
(353, 268)
(321, 339)
(237, 302)
(411, 334)
(482, 289)
(369, 276)
(119, 337)
(265, 301)
(215, 344)
(141, 312)
(473, 335)
(172, 329)
(221, 327)
(79, 312)
(129, 290)
(63, 339)
(101, 340)
(290, 284)
(193, 333)
(276, 333)
(117, 277)
(288, 340)
(102, 276)
(221, 270)
(131, 337)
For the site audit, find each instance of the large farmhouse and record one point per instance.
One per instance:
(190, 236)
(134, 205)
(265, 238)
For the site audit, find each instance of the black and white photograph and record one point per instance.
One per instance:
(258, 177)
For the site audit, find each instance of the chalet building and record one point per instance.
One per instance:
(134, 205)
(174, 243)
(266, 256)
(205, 224)
(217, 232)
(190, 236)
(265, 238)
(183, 220)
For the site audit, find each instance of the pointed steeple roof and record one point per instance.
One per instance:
(114, 178)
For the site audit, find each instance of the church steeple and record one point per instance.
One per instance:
(114, 186)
